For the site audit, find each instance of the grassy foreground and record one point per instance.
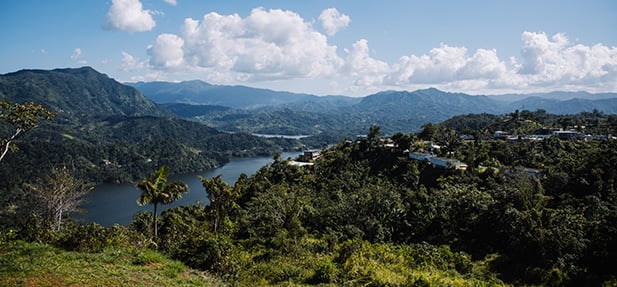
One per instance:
(35, 264)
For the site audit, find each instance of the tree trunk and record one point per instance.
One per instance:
(59, 221)
(8, 143)
(155, 223)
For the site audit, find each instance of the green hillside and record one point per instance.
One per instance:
(76, 93)
(36, 264)
(110, 132)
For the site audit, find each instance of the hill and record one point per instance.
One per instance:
(111, 132)
(36, 264)
(569, 106)
(201, 93)
(81, 92)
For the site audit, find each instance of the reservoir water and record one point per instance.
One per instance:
(109, 204)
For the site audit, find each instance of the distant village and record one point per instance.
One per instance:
(309, 156)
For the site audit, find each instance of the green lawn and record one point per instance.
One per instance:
(35, 264)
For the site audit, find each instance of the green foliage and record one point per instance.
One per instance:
(110, 132)
(93, 238)
(222, 200)
(205, 251)
(21, 118)
(36, 264)
(155, 190)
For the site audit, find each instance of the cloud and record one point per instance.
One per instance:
(555, 61)
(367, 71)
(333, 21)
(266, 45)
(129, 15)
(171, 2)
(130, 63)
(76, 54)
(167, 52)
(279, 46)
(545, 64)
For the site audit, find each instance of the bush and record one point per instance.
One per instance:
(326, 272)
(205, 251)
(96, 238)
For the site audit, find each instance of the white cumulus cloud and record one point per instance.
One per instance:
(130, 63)
(333, 21)
(266, 45)
(167, 52)
(546, 64)
(171, 2)
(366, 70)
(129, 15)
(279, 47)
(555, 61)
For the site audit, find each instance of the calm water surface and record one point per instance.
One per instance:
(110, 204)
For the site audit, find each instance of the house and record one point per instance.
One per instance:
(309, 155)
(500, 135)
(527, 171)
(438, 161)
(448, 163)
(568, 135)
(420, 156)
(300, 163)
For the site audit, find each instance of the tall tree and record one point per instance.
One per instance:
(57, 194)
(155, 190)
(223, 199)
(22, 117)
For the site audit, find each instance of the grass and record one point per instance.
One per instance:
(35, 264)
(310, 263)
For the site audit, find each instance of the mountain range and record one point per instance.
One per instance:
(240, 108)
(195, 125)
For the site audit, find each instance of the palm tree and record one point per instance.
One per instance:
(155, 190)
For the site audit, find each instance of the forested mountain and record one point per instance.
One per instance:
(81, 92)
(557, 95)
(270, 112)
(111, 132)
(201, 93)
(569, 106)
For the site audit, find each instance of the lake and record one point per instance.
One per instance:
(108, 204)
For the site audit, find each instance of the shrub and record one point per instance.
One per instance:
(205, 251)
(96, 238)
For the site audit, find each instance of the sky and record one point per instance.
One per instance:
(352, 48)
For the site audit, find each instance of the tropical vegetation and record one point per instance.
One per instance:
(365, 214)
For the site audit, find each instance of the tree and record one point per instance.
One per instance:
(222, 199)
(23, 117)
(155, 190)
(57, 194)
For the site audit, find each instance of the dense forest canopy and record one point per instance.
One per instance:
(539, 212)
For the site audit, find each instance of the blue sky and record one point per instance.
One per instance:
(323, 47)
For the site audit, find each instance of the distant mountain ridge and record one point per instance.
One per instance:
(266, 112)
(427, 101)
(201, 93)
